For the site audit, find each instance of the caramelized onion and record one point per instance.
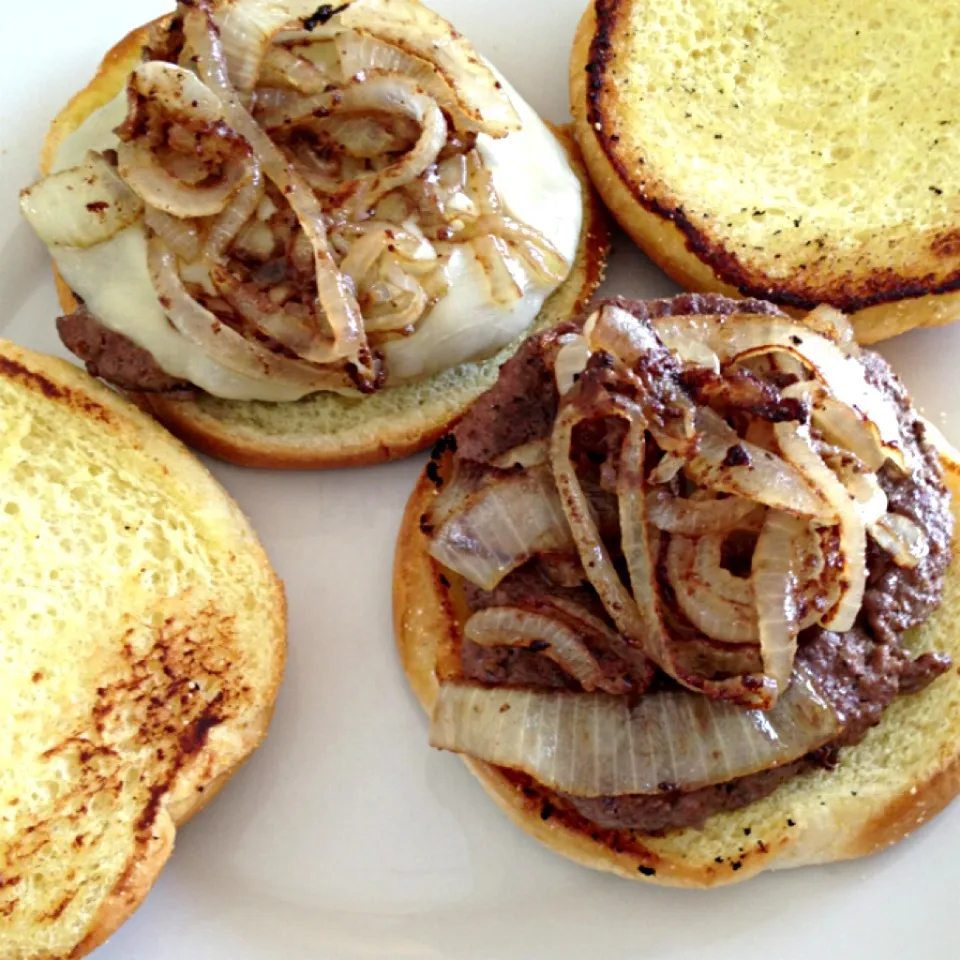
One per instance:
(593, 744)
(668, 468)
(502, 271)
(106, 205)
(708, 567)
(796, 445)
(185, 98)
(181, 236)
(602, 635)
(740, 337)
(292, 332)
(546, 262)
(727, 464)
(638, 616)
(361, 54)
(570, 362)
(614, 331)
(418, 32)
(692, 352)
(405, 304)
(593, 553)
(773, 579)
(246, 29)
(281, 66)
(861, 484)
(501, 527)
(721, 614)
(640, 559)
(219, 341)
(527, 455)
(838, 423)
(228, 224)
(364, 252)
(339, 305)
(901, 538)
(834, 325)
(509, 626)
(145, 175)
(694, 518)
(393, 94)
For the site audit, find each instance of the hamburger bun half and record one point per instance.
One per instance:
(326, 429)
(748, 150)
(901, 774)
(143, 648)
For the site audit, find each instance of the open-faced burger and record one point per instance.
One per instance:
(308, 236)
(679, 589)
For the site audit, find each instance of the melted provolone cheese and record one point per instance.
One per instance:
(530, 171)
(533, 176)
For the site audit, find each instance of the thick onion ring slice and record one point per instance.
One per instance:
(593, 744)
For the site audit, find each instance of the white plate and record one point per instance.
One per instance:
(346, 836)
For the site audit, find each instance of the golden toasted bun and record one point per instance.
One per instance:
(904, 772)
(327, 430)
(143, 644)
(748, 152)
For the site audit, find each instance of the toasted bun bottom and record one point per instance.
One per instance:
(327, 430)
(671, 249)
(904, 772)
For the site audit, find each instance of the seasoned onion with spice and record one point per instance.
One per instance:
(743, 505)
(339, 172)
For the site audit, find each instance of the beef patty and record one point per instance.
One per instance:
(114, 357)
(859, 672)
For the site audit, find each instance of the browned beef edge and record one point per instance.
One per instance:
(113, 357)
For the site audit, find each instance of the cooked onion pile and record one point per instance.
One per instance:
(729, 510)
(305, 176)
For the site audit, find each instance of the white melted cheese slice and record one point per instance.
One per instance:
(532, 174)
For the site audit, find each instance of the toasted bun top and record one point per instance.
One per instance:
(756, 144)
(142, 651)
